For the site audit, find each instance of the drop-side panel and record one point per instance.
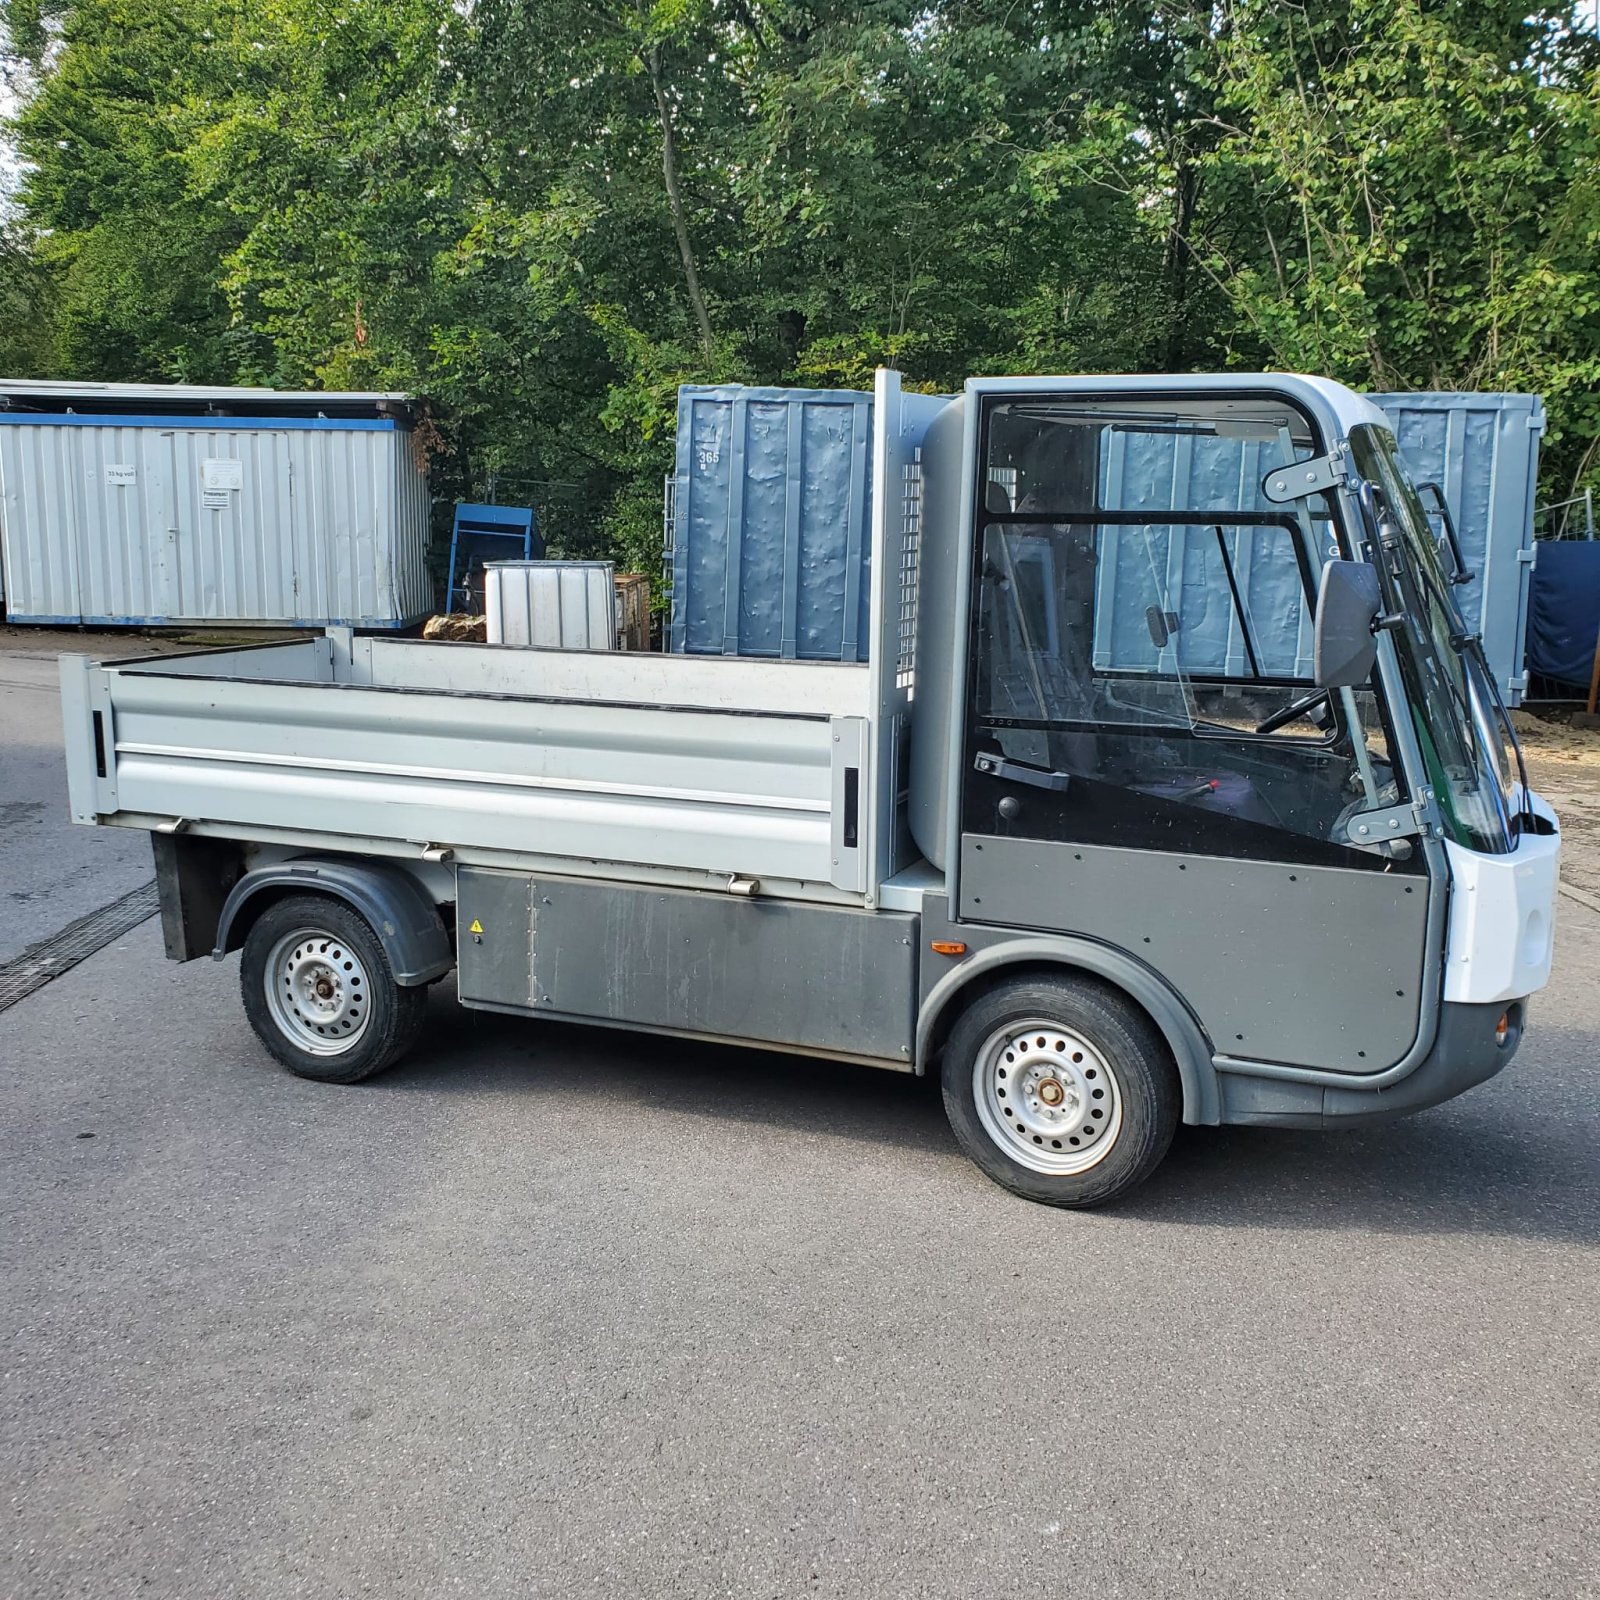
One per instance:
(1307, 966)
(713, 791)
(804, 977)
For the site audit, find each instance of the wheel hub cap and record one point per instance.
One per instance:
(1047, 1097)
(318, 992)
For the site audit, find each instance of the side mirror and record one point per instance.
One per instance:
(1348, 603)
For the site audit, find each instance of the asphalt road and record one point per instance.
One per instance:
(51, 872)
(554, 1311)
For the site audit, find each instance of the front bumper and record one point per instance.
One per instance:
(1466, 1051)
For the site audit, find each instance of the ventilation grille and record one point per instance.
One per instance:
(910, 554)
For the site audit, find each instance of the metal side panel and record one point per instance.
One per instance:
(494, 937)
(714, 791)
(87, 743)
(630, 677)
(1306, 966)
(833, 980)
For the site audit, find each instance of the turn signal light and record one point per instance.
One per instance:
(1502, 1029)
(947, 947)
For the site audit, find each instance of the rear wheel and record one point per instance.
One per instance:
(1061, 1090)
(320, 994)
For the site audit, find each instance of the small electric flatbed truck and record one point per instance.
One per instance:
(1116, 826)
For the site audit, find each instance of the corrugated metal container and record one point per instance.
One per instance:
(770, 546)
(770, 552)
(127, 519)
(1152, 473)
(1483, 450)
(551, 605)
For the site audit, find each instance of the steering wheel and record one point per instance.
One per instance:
(1295, 708)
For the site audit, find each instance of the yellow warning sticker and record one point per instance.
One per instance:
(477, 927)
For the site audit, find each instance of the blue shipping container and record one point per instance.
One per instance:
(771, 549)
(771, 554)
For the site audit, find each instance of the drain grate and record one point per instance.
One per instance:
(61, 952)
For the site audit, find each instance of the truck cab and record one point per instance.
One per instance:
(1126, 737)
(1170, 785)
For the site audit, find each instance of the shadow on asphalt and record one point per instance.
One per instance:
(1467, 1166)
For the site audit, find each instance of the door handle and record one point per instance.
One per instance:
(1015, 772)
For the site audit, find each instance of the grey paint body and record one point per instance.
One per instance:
(1244, 942)
(599, 808)
(822, 979)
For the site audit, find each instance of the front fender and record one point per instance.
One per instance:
(405, 920)
(1202, 1102)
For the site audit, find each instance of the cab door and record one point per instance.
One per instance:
(1147, 760)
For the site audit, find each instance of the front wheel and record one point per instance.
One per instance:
(320, 994)
(1061, 1090)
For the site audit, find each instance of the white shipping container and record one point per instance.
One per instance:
(551, 605)
(296, 521)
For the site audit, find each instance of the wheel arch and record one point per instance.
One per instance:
(402, 916)
(1016, 958)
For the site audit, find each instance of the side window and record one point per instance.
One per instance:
(1142, 640)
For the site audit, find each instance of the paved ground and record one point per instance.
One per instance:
(51, 873)
(551, 1311)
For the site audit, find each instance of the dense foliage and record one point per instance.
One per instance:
(545, 216)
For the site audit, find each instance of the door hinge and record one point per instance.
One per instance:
(1285, 484)
(1388, 822)
(1529, 555)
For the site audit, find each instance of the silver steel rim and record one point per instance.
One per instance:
(318, 992)
(1046, 1097)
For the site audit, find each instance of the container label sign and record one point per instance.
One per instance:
(220, 474)
(214, 499)
(121, 473)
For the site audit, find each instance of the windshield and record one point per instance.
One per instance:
(1452, 701)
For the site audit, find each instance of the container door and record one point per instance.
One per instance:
(1146, 760)
(164, 533)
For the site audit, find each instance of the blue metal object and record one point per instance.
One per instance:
(1564, 611)
(483, 533)
(771, 549)
(770, 552)
(1483, 451)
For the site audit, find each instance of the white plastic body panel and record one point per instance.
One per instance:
(1502, 921)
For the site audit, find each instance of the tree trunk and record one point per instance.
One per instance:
(680, 225)
(1177, 265)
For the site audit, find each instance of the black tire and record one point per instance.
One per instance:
(1046, 1037)
(367, 1025)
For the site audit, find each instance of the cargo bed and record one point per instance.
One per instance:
(634, 766)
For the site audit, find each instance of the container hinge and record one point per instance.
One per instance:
(1285, 484)
(1528, 556)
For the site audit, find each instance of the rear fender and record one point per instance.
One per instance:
(405, 920)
